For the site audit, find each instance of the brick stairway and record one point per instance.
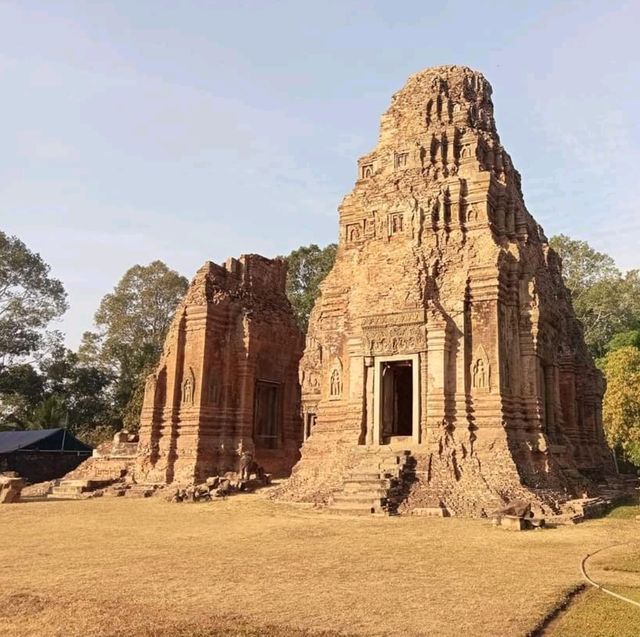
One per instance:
(76, 489)
(94, 473)
(376, 485)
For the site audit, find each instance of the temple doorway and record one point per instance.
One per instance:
(266, 421)
(397, 398)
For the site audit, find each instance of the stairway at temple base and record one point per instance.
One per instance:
(376, 485)
(77, 489)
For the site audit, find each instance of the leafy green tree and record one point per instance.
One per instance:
(49, 413)
(630, 338)
(21, 389)
(621, 407)
(84, 388)
(29, 299)
(132, 322)
(605, 301)
(308, 266)
(61, 392)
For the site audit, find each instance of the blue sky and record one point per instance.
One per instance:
(187, 131)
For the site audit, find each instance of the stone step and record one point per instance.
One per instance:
(64, 494)
(379, 483)
(375, 462)
(355, 509)
(364, 479)
(373, 486)
(75, 483)
(67, 489)
(364, 473)
(358, 500)
(359, 512)
(363, 493)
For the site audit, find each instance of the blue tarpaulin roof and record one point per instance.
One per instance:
(40, 440)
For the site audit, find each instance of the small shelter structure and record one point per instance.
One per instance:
(41, 454)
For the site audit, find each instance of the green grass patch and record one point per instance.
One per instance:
(624, 512)
(596, 614)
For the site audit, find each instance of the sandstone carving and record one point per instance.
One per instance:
(226, 386)
(456, 337)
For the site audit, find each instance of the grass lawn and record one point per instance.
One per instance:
(248, 566)
(617, 568)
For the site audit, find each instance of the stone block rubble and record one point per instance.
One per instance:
(217, 487)
(11, 485)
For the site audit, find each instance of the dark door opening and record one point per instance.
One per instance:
(397, 398)
(266, 416)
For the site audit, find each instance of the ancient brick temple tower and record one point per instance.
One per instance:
(444, 329)
(227, 380)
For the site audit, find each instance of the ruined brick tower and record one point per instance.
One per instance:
(227, 380)
(444, 331)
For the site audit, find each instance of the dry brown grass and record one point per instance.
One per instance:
(248, 566)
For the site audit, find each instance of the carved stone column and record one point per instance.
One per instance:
(437, 363)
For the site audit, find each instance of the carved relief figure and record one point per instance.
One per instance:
(187, 389)
(353, 232)
(150, 391)
(367, 171)
(479, 375)
(481, 370)
(335, 384)
(309, 381)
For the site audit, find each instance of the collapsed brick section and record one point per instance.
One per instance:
(227, 380)
(444, 327)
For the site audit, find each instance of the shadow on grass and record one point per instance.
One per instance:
(227, 627)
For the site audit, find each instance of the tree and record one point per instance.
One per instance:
(621, 407)
(605, 301)
(49, 414)
(630, 338)
(81, 387)
(132, 322)
(21, 389)
(29, 299)
(308, 266)
(61, 392)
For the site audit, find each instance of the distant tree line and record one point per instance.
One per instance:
(99, 388)
(607, 302)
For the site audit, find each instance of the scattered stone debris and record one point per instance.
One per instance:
(11, 485)
(38, 490)
(517, 516)
(220, 486)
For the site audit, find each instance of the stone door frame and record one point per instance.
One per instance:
(377, 395)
